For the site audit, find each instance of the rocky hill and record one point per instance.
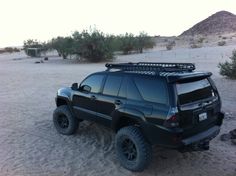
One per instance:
(219, 23)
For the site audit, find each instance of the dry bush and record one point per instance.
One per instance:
(170, 45)
(221, 43)
(194, 45)
(228, 69)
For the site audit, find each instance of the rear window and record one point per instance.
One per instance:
(152, 90)
(194, 91)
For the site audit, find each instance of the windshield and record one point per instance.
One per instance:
(194, 91)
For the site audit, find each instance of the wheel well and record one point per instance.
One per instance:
(61, 102)
(126, 121)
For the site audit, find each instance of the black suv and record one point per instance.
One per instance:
(168, 104)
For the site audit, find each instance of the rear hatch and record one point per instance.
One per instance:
(198, 105)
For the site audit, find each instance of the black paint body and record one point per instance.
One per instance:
(117, 111)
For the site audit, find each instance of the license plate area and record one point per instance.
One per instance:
(202, 116)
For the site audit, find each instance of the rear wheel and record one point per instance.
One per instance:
(64, 121)
(133, 151)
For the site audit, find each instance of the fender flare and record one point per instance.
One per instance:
(126, 113)
(64, 94)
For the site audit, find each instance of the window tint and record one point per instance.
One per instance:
(112, 85)
(123, 88)
(152, 90)
(194, 91)
(95, 82)
(132, 91)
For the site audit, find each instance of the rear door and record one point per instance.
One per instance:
(109, 100)
(198, 104)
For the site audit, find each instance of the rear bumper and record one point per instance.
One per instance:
(173, 138)
(205, 136)
(200, 141)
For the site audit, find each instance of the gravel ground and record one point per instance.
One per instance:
(30, 145)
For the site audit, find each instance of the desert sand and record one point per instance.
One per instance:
(30, 145)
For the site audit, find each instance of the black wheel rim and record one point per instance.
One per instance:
(63, 121)
(129, 150)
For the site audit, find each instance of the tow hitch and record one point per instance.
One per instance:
(201, 146)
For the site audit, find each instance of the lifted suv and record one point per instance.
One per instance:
(168, 104)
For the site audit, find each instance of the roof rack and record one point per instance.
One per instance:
(155, 67)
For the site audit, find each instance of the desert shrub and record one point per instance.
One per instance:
(143, 41)
(10, 50)
(228, 69)
(115, 42)
(128, 43)
(191, 39)
(94, 46)
(165, 40)
(170, 45)
(194, 45)
(200, 40)
(224, 38)
(221, 43)
(63, 45)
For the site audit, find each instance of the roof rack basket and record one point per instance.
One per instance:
(152, 67)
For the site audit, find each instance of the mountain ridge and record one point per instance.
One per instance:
(219, 23)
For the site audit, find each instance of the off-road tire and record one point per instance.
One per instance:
(143, 148)
(64, 112)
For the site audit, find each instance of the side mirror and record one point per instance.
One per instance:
(85, 88)
(74, 86)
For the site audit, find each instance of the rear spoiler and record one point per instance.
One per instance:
(195, 76)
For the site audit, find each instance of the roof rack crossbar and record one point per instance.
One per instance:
(152, 66)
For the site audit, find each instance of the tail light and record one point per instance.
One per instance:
(172, 120)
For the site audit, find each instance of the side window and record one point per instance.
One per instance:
(112, 85)
(152, 90)
(132, 91)
(95, 82)
(123, 88)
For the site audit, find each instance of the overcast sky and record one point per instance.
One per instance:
(44, 19)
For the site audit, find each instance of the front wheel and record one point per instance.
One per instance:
(64, 121)
(133, 151)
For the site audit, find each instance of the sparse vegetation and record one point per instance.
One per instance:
(165, 40)
(143, 41)
(127, 42)
(221, 43)
(170, 45)
(63, 45)
(194, 45)
(9, 50)
(201, 39)
(93, 45)
(228, 69)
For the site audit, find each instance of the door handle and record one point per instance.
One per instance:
(93, 97)
(118, 102)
